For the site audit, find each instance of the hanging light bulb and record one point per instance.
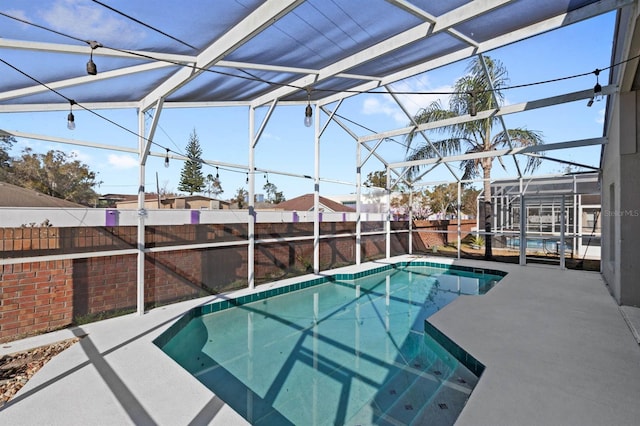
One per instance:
(597, 89)
(217, 174)
(71, 122)
(308, 111)
(92, 69)
(247, 181)
(166, 158)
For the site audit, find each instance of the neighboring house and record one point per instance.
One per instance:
(112, 200)
(192, 202)
(306, 203)
(16, 196)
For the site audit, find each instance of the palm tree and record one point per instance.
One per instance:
(473, 92)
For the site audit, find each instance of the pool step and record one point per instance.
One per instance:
(416, 388)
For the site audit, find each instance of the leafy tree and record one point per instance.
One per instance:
(191, 177)
(273, 195)
(240, 197)
(444, 198)
(473, 93)
(469, 205)
(6, 142)
(271, 190)
(55, 173)
(377, 179)
(213, 185)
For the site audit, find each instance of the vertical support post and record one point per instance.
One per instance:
(577, 213)
(251, 223)
(577, 224)
(358, 203)
(250, 360)
(316, 195)
(563, 218)
(458, 216)
(141, 216)
(411, 220)
(388, 219)
(480, 194)
(523, 228)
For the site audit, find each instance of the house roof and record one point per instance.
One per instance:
(16, 196)
(306, 203)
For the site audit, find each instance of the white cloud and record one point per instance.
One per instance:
(415, 92)
(83, 19)
(600, 119)
(122, 161)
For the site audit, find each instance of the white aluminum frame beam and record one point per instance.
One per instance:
(101, 51)
(547, 25)
(57, 85)
(421, 133)
(456, 16)
(261, 18)
(503, 152)
(504, 110)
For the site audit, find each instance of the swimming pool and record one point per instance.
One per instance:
(347, 349)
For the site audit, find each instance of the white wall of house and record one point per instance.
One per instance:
(621, 182)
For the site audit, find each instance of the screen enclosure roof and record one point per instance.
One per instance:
(250, 52)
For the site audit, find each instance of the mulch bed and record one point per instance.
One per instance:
(16, 369)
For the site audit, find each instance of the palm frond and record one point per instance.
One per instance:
(471, 167)
(435, 149)
(432, 113)
(521, 137)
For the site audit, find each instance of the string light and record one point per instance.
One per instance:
(71, 122)
(308, 111)
(92, 69)
(597, 89)
(166, 159)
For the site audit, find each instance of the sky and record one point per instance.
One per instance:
(288, 146)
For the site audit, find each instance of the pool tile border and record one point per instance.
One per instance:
(467, 360)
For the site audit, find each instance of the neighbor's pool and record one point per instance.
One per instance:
(341, 350)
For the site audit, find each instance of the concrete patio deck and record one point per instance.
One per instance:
(557, 350)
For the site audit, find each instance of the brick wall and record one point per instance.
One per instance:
(428, 234)
(35, 296)
(41, 296)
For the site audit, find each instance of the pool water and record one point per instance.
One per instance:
(345, 352)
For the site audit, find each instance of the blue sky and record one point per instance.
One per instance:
(288, 146)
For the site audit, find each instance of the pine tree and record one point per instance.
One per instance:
(191, 177)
